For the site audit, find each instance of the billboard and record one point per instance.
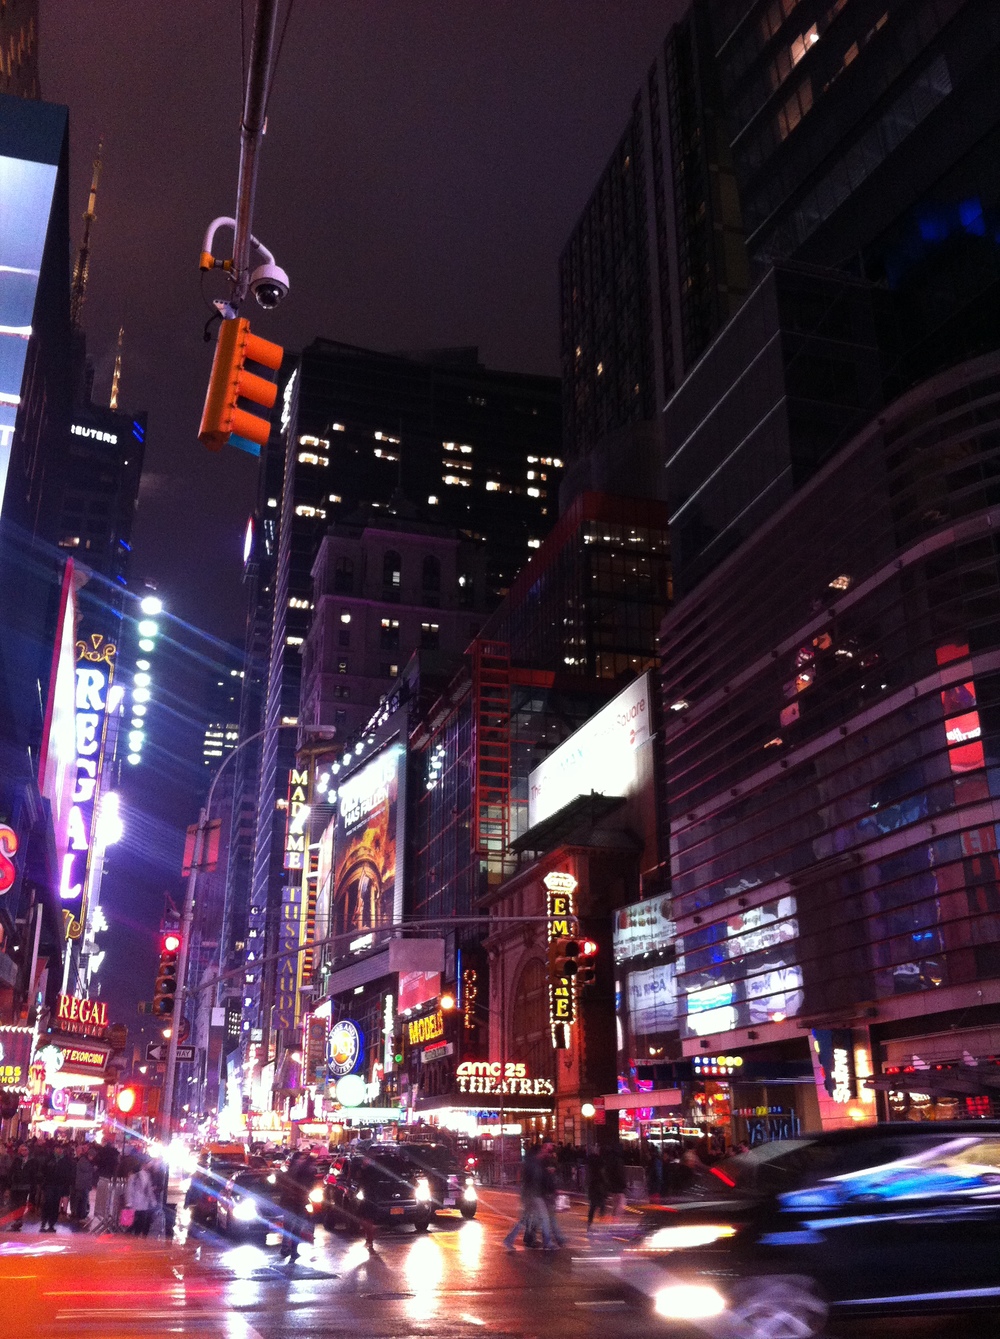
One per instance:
(652, 1000)
(601, 756)
(368, 848)
(644, 927)
(26, 190)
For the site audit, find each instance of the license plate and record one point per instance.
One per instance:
(397, 1211)
(450, 1201)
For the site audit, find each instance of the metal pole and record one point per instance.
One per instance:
(187, 918)
(251, 134)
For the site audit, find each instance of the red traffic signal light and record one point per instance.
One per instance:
(126, 1100)
(166, 975)
(222, 420)
(587, 948)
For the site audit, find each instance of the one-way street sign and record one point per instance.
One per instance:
(157, 1050)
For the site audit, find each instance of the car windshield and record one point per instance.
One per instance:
(794, 1164)
(257, 1182)
(435, 1157)
(388, 1167)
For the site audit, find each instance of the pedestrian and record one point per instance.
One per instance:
(7, 1154)
(58, 1177)
(140, 1197)
(86, 1179)
(614, 1175)
(549, 1190)
(21, 1175)
(597, 1188)
(293, 1195)
(533, 1217)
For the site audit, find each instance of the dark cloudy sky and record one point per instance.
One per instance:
(424, 164)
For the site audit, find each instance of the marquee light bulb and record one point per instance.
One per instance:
(134, 758)
(141, 695)
(142, 680)
(152, 604)
(146, 644)
(142, 664)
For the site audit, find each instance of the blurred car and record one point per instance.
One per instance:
(378, 1184)
(217, 1164)
(452, 1187)
(878, 1220)
(246, 1205)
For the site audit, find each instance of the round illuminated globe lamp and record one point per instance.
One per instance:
(588, 1110)
(351, 1090)
(151, 604)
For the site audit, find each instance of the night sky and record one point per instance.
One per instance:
(423, 167)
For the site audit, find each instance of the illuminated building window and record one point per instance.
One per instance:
(289, 720)
(335, 497)
(842, 582)
(384, 437)
(272, 501)
(304, 510)
(459, 447)
(295, 603)
(430, 636)
(534, 492)
(310, 458)
(322, 442)
(345, 617)
(70, 542)
(532, 460)
(531, 474)
(336, 427)
(432, 501)
(341, 666)
(294, 641)
(392, 569)
(385, 455)
(534, 543)
(454, 479)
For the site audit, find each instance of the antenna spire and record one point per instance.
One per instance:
(113, 403)
(78, 289)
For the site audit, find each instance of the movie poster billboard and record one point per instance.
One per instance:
(368, 846)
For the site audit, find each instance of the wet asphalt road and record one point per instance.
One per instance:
(455, 1282)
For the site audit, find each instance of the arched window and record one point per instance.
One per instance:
(531, 1038)
(432, 573)
(392, 569)
(343, 576)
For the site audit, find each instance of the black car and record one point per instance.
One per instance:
(246, 1205)
(378, 1184)
(887, 1219)
(214, 1169)
(452, 1187)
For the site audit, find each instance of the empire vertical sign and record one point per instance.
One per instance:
(95, 670)
(560, 909)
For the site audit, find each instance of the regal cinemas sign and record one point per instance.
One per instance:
(81, 1016)
(507, 1079)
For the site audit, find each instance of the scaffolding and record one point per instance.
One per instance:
(491, 746)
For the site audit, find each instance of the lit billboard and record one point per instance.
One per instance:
(602, 756)
(26, 192)
(95, 670)
(368, 865)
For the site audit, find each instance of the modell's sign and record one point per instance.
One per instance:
(82, 1016)
(494, 1078)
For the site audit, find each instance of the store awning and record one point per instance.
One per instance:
(659, 1097)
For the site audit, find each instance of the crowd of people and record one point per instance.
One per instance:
(56, 1179)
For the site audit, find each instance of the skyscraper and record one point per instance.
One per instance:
(19, 48)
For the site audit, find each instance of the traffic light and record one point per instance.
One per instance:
(563, 955)
(586, 972)
(222, 420)
(166, 975)
(126, 1100)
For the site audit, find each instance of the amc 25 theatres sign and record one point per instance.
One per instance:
(493, 1079)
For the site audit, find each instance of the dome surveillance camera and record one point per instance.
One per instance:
(269, 284)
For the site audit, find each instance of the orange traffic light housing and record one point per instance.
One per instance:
(223, 421)
(166, 975)
(563, 954)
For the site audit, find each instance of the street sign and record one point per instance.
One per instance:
(157, 1050)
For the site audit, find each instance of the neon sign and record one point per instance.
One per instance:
(559, 890)
(95, 670)
(427, 1028)
(493, 1078)
(8, 848)
(77, 1013)
(298, 812)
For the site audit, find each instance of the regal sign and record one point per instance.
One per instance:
(493, 1078)
(82, 1016)
(95, 669)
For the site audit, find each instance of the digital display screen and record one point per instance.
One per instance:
(367, 874)
(26, 190)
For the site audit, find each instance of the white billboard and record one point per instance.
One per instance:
(601, 756)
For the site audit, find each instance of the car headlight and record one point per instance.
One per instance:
(245, 1211)
(685, 1235)
(359, 1194)
(316, 1195)
(272, 1179)
(422, 1193)
(689, 1301)
(469, 1193)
